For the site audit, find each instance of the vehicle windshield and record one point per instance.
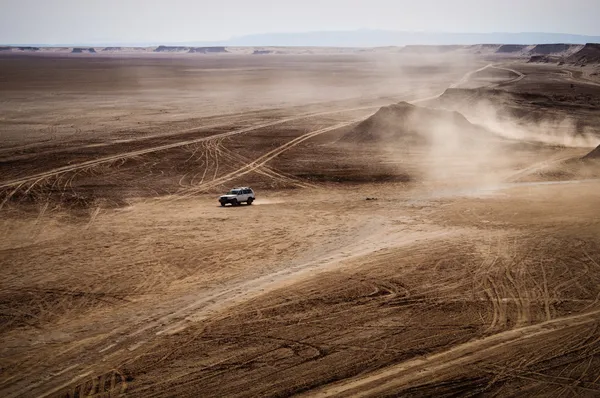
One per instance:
(234, 192)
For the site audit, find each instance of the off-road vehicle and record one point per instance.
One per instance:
(237, 196)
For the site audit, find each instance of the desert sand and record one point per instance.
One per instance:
(427, 223)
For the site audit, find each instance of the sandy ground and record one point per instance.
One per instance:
(468, 273)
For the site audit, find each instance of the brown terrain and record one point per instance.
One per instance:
(427, 223)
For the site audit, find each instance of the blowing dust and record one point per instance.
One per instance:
(262, 201)
(564, 131)
(434, 146)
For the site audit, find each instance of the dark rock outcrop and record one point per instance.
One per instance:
(171, 49)
(208, 50)
(78, 50)
(511, 48)
(588, 55)
(544, 59)
(554, 49)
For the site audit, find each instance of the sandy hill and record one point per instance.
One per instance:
(589, 54)
(595, 154)
(411, 123)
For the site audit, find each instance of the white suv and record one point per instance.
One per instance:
(238, 195)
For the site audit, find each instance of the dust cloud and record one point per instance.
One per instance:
(563, 131)
(434, 145)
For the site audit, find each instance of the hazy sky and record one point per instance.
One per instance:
(162, 21)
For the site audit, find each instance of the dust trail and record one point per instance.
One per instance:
(268, 201)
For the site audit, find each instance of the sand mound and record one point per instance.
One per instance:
(262, 52)
(589, 54)
(410, 123)
(595, 154)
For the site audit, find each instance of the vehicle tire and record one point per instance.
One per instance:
(249, 201)
(234, 202)
(222, 204)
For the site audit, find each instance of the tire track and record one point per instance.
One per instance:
(123, 156)
(581, 80)
(394, 377)
(536, 167)
(466, 77)
(158, 148)
(265, 170)
(222, 298)
(520, 76)
(260, 161)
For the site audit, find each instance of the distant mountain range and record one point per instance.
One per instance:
(382, 38)
(366, 38)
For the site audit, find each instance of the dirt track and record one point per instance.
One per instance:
(123, 277)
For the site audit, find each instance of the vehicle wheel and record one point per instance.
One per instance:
(249, 202)
(234, 202)
(222, 204)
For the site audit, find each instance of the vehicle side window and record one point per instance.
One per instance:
(247, 191)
